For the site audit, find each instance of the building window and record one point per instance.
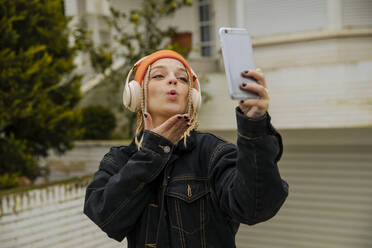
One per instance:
(81, 7)
(357, 13)
(205, 23)
(272, 17)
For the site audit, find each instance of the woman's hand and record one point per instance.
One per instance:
(255, 108)
(172, 129)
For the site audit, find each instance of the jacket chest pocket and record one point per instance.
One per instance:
(188, 204)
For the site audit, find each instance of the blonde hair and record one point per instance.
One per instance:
(140, 118)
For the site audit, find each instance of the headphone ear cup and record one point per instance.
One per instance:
(196, 93)
(132, 95)
(196, 99)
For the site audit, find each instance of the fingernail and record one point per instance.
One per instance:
(244, 84)
(145, 115)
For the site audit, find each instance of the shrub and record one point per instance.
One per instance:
(98, 122)
(8, 181)
(38, 92)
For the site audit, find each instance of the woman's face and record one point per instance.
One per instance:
(168, 86)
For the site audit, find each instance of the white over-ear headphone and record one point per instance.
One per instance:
(132, 92)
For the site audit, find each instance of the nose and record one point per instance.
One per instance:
(172, 79)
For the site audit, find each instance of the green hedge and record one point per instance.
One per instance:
(98, 122)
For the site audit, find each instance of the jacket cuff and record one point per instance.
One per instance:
(252, 128)
(157, 143)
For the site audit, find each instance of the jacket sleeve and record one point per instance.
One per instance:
(245, 179)
(120, 191)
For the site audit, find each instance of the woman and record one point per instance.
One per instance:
(174, 186)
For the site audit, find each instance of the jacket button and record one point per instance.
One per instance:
(166, 149)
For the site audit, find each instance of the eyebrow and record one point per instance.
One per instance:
(162, 67)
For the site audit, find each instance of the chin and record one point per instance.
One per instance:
(172, 109)
(166, 108)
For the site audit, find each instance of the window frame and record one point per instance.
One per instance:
(206, 23)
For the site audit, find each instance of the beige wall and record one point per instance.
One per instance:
(313, 83)
(82, 160)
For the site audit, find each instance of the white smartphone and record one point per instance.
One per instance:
(237, 56)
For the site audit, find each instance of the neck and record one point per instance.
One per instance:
(157, 120)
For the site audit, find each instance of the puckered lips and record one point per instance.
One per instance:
(172, 94)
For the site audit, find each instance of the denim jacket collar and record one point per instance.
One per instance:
(190, 143)
(179, 147)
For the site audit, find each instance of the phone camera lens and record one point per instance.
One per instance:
(225, 30)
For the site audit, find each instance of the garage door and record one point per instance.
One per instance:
(330, 201)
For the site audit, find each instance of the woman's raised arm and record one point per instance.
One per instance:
(245, 179)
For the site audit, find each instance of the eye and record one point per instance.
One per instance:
(184, 79)
(157, 76)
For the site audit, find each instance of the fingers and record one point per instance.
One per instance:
(255, 107)
(181, 126)
(178, 120)
(257, 74)
(249, 103)
(174, 127)
(257, 88)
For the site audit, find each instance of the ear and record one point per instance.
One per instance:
(148, 121)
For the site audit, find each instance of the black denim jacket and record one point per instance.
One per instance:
(167, 195)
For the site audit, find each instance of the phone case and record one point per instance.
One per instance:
(237, 55)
